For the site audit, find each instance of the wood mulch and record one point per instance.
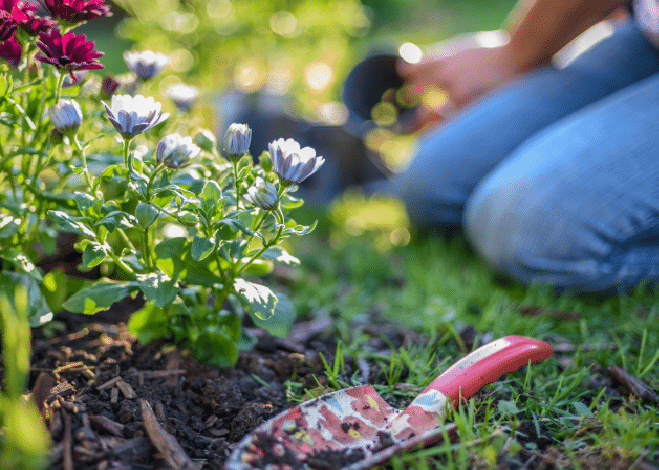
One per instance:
(112, 403)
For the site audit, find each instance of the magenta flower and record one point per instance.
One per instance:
(69, 52)
(31, 23)
(11, 51)
(10, 16)
(74, 12)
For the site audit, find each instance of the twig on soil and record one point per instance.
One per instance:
(41, 390)
(114, 428)
(168, 447)
(67, 443)
(126, 389)
(109, 383)
(635, 385)
(74, 367)
(156, 374)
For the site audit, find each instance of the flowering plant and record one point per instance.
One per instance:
(153, 212)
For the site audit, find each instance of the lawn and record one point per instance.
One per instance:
(570, 411)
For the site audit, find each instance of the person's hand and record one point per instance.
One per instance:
(463, 70)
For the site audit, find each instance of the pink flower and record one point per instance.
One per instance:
(31, 23)
(11, 51)
(74, 12)
(10, 15)
(69, 52)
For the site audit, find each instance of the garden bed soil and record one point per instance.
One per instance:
(112, 403)
(93, 382)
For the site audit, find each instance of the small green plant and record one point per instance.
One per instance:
(24, 439)
(158, 212)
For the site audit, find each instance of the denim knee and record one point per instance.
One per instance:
(534, 236)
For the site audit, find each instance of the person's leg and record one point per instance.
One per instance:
(453, 159)
(577, 206)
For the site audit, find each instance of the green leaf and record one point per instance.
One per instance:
(259, 268)
(581, 409)
(116, 219)
(146, 214)
(289, 202)
(174, 258)
(202, 247)
(507, 407)
(98, 296)
(38, 311)
(281, 322)
(9, 226)
(85, 201)
(276, 253)
(184, 197)
(22, 263)
(256, 298)
(94, 254)
(237, 248)
(211, 191)
(299, 229)
(158, 289)
(149, 324)
(215, 345)
(236, 225)
(71, 224)
(48, 239)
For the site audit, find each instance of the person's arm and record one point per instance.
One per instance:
(466, 70)
(540, 28)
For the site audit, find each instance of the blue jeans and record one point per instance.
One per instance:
(554, 178)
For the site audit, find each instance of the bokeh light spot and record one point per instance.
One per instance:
(219, 8)
(410, 53)
(284, 23)
(249, 76)
(181, 60)
(333, 113)
(318, 76)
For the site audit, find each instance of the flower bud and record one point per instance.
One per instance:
(266, 162)
(108, 87)
(237, 141)
(206, 140)
(176, 151)
(263, 195)
(55, 137)
(145, 64)
(65, 116)
(183, 96)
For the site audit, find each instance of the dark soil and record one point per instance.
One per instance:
(93, 382)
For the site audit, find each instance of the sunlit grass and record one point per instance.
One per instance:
(438, 286)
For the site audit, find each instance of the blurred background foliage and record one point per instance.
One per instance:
(293, 51)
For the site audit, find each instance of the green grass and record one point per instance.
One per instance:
(437, 286)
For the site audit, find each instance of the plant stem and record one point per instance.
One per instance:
(85, 169)
(273, 241)
(146, 249)
(128, 161)
(119, 262)
(152, 179)
(235, 178)
(223, 293)
(125, 238)
(58, 90)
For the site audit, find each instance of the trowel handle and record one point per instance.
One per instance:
(486, 364)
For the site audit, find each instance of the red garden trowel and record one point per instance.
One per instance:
(355, 428)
